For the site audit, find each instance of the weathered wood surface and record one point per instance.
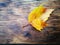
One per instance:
(17, 29)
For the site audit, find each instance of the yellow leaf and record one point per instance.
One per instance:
(38, 16)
